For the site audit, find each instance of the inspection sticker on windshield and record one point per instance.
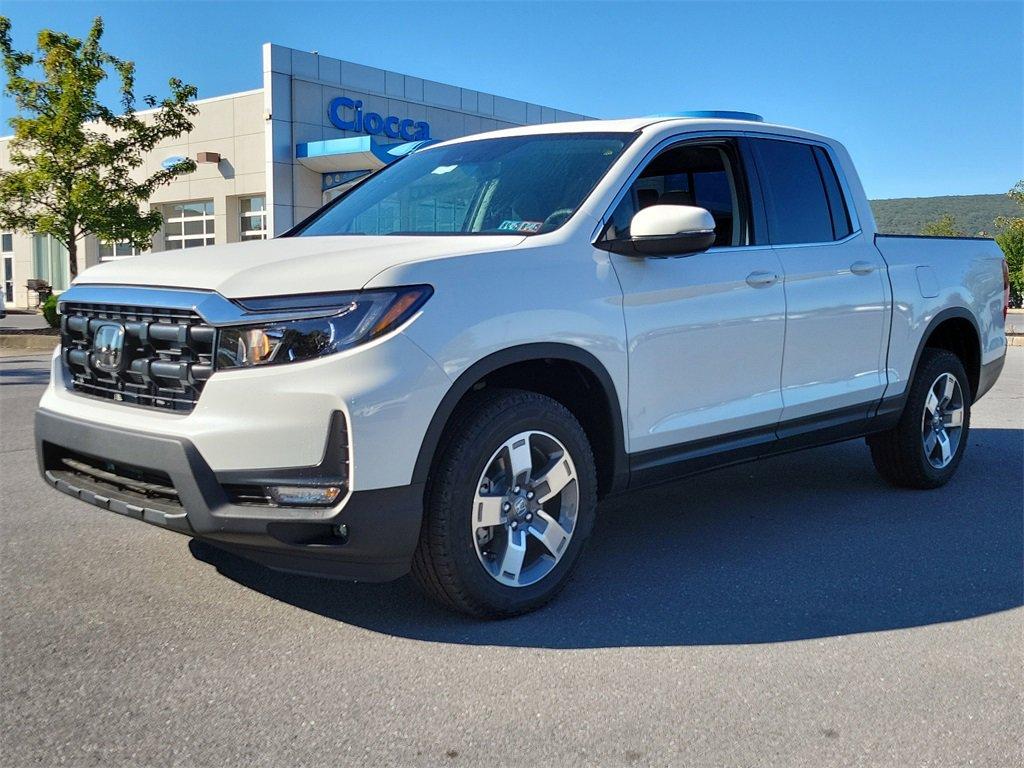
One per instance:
(521, 226)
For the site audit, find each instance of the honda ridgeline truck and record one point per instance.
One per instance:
(444, 369)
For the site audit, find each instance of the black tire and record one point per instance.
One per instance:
(446, 564)
(899, 454)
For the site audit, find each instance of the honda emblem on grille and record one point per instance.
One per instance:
(108, 348)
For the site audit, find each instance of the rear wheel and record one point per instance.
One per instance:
(509, 505)
(925, 448)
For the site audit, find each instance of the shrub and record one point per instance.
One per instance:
(50, 311)
(944, 226)
(1012, 243)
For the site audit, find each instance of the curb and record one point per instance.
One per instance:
(28, 342)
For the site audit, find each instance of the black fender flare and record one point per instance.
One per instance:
(518, 354)
(950, 313)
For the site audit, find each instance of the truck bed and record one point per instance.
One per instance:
(929, 277)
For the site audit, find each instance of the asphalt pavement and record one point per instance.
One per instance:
(795, 611)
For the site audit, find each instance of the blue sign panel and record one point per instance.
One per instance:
(347, 114)
(172, 161)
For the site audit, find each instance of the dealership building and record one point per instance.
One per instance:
(266, 159)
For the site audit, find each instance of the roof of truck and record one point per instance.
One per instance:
(631, 125)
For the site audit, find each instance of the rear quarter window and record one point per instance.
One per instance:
(837, 204)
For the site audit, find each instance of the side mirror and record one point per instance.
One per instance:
(663, 231)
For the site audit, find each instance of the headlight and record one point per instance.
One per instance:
(323, 324)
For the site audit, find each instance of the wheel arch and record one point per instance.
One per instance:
(609, 450)
(955, 330)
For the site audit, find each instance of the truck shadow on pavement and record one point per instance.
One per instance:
(802, 546)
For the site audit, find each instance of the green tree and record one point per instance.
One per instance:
(1011, 240)
(944, 226)
(77, 162)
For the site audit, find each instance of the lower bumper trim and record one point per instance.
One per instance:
(382, 525)
(176, 521)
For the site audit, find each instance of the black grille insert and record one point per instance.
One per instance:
(145, 487)
(167, 355)
(248, 495)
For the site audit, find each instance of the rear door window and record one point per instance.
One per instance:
(794, 192)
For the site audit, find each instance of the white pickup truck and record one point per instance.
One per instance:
(444, 369)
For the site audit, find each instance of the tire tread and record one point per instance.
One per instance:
(432, 564)
(896, 453)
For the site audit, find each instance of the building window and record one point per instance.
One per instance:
(9, 279)
(253, 213)
(7, 246)
(119, 250)
(50, 261)
(188, 225)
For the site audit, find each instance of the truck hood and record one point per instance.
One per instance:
(287, 265)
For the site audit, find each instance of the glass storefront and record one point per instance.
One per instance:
(50, 261)
(188, 225)
(253, 218)
(7, 247)
(9, 279)
(119, 250)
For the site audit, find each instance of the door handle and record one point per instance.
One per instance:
(862, 267)
(762, 279)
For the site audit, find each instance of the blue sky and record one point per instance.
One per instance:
(926, 95)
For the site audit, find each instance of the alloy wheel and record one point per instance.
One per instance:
(942, 421)
(524, 511)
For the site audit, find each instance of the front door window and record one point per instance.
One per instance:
(702, 175)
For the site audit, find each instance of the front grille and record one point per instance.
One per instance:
(167, 358)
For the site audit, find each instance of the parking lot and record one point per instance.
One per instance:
(795, 611)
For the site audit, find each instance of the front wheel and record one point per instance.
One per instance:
(924, 449)
(509, 505)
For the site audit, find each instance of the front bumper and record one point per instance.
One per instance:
(382, 525)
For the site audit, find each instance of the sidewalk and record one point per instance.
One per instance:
(17, 335)
(20, 321)
(1015, 322)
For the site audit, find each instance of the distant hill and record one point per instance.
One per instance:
(973, 213)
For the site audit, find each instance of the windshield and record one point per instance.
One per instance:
(518, 184)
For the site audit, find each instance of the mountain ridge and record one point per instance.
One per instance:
(974, 214)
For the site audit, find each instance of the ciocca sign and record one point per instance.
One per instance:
(347, 114)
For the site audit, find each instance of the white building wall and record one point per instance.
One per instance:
(231, 126)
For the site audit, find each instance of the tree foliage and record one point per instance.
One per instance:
(76, 161)
(944, 226)
(1011, 240)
